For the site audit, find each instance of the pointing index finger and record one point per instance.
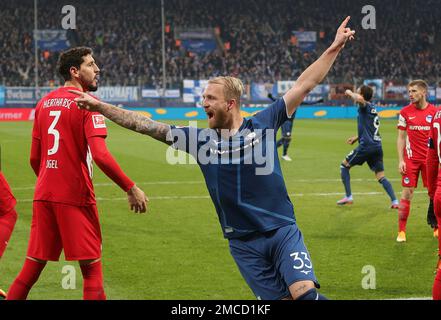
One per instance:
(345, 22)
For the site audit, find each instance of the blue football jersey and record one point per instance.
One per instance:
(368, 126)
(242, 172)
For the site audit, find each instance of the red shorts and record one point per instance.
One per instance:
(7, 200)
(57, 226)
(413, 169)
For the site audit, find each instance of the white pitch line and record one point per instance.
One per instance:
(208, 197)
(108, 184)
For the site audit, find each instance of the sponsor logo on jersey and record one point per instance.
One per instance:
(419, 128)
(306, 271)
(98, 121)
(229, 230)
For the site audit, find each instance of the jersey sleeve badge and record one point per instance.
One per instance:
(99, 121)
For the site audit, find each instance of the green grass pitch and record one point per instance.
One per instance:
(177, 251)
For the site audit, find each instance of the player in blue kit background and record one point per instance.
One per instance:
(242, 172)
(286, 128)
(286, 138)
(370, 148)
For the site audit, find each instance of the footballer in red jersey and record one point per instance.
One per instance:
(8, 216)
(415, 122)
(65, 141)
(433, 163)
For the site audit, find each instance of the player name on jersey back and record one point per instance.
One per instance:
(58, 102)
(51, 164)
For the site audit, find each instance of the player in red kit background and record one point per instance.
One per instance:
(414, 125)
(65, 139)
(433, 163)
(8, 216)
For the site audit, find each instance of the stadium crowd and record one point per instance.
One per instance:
(255, 39)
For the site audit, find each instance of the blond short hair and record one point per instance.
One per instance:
(233, 87)
(419, 83)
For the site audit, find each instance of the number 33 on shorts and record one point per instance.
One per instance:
(302, 261)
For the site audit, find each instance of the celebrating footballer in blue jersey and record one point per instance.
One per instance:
(370, 149)
(242, 172)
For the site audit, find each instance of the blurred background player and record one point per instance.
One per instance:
(259, 223)
(286, 138)
(434, 186)
(370, 148)
(414, 126)
(286, 129)
(432, 164)
(65, 139)
(8, 217)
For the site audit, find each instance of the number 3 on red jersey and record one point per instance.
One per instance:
(54, 132)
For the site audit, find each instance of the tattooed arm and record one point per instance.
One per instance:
(125, 118)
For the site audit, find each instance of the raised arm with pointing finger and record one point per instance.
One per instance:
(309, 79)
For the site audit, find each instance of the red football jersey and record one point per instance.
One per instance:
(417, 124)
(7, 200)
(65, 174)
(435, 135)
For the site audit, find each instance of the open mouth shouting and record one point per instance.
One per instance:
(210, 114)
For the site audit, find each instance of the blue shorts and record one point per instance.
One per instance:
(373, 156)
(271, 262)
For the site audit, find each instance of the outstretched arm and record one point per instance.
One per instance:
(358, 98)
(125, 118)
(316, 72)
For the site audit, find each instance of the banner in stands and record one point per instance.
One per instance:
(2, 96)
(319, 92)
(196, 40)
(260, 91)
(438, 93)
(306, 40)
(20, 114)
(199, 45)
(52, 40)
(396, 92)
(151, 93)
(377, 85)
(118, 94)
(25, 95)
(193, 91)
(194, 33)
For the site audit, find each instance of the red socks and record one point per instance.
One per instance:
(92, 275)
(437, 210)
(403, 214)
(25, 280)
(436, 292)
(93, 281)
(7, 223)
